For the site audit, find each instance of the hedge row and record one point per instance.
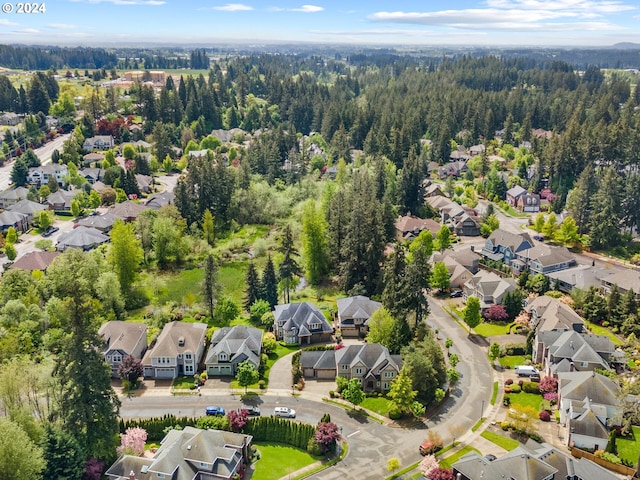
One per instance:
(155, 427)
(278, 430)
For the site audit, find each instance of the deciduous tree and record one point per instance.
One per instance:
(471, 314)
(247, 374)
(401, 393)
(353, 393)
(125, 254)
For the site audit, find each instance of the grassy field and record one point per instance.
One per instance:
(512, 361)
(629, 448)
(278, 461)
(599, 330)
(507, 443)
(447, 462)
(488, 329)
(379, 405)
(525, 399)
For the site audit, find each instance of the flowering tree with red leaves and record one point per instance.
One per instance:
(496, 313)
(133, 441)
(548, 385)
(327, 434)
(441, 474)
(93, 469)
(238, 419)
(130, 369)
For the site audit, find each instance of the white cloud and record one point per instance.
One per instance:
(308, 9)
(233, 7)
(27, 31)
(62, 26)
(376, 32)
(7, 23)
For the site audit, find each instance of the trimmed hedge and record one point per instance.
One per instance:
(155, 427)
(531, 387)
(278, 430)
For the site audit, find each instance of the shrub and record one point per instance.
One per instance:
(506, 401)
(332, 394)
(508, 381)
(530, 387)
(515, 349)
(313, 448)
(505, 425)
(520, 382)
(261, 384)
(515, 389)
(544, 416)
(395, 414)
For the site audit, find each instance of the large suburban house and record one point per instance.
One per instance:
(12, 196)
(353, 315)
(544, 259)
(371, 364)
(28, 208)
(463, 221)
(122, 339)
(588, 405)
(488, 287)
(231, 346)
(549, 313)
(177, 351)
(188, 454)
(466, 257)
(36, 260)
(9, 219)
(625, 280)
(580, 276)
(562, 350)
(40, 176)
(84, 238)
(514, 194)
(60, 201)
(98, 142)
(529, 203)
(301, 323)
(410, 226)
(504, 246)
(458, 274)
(532, 461)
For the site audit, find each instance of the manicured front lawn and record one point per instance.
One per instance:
(494, 394)
(184, 382)
(629, 448)
(599, 330)
(447, 462)
(525, 399)
(278, 461)
(507, 443)
(380, 405)
(489, 329)
(511, 361)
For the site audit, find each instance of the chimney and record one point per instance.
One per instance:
(132, 475)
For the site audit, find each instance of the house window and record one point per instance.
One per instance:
(315, 326)
(188, 369)
(204, 465)
(388, 374)
(187, 356)
(222, 356)
(117, 358)
(385, 386)
(584, 364)
(358, 371)
(344, 367)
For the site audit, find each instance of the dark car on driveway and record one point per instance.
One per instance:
(251, 411)
(212, 410)
(49, 231)
(455, 294)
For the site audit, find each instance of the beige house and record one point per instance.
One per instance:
(122, 339)
(177, 351)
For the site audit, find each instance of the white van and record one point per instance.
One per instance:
(285, 412)
(526, 371)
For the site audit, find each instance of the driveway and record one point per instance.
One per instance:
(280, 373)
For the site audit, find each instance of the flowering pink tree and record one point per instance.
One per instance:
(428, 465)
(327, 434)
(133, 441)
(441, 474)
(548, 385)
(551, 397)
(496, 313)
(238, 419)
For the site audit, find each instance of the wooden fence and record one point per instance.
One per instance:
(621, 469)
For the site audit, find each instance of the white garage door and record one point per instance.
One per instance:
(165, 373)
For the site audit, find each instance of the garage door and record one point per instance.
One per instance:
(165, 372)
(326, 374)
(219, 370)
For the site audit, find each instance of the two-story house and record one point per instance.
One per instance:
(410, 226)
(545, 259)
(561, 350)
(12, 196)
(625, 280)
(529, 203)
(98, 142)
(122, 339)
(514, 194)
(505, 246)
(488, 287)
(353, 315)
(301, 323)
(40, 176)
(549, 313)
(371, 364)
(231, 346)
(188, 454)
(177, 351)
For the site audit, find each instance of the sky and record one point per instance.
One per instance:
(375, 22)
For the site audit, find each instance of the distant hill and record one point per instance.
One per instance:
(626, 46)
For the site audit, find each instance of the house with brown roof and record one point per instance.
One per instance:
(371, 363)
(98, 142)
(410, 226)
(301, 323)
(35, 260)
(177, 351)
(127, 211)
(103, 223)
(560, 350)
(467, 257)
(122, 339)
(625, 280)
(488, 287)
(549, 313)
(188, 454)
(353, 315)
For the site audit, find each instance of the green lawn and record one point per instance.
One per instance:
(629, 448)
(525, 399)
(185, 382)
(512, 361)
(447, 462)
(488, 329)
(494, 394)
(379, 405)
(278, 461)
(231, 277)
(599, 330)
(507, 443)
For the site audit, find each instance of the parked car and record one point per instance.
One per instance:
(455, 294)
(526, 371)
(49, 231)
(213, 410)
(285, 412)
(251, 410)
(429, 447)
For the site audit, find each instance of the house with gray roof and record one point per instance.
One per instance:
(532, 461)
(589, 406)
(301, 323)
(177, 351)
(549, 313)
(371, 364)
(128, 211)
(122, 339)
(546, 259)
(353, 315)
(188, 454)
(504, 246)
(562, 350)
(514, 194)
(92, 175)
(40, 175)
(230, 346)
(465, 224)
(458, 275)
(12, 196)
(36, 260)
(98, 142)
(103, 223)
(625, 280)
(159, 200)
(529, 203)
(60, 201)
(467, 257)
(488, 287)
(28, 208)
(580, 276)
(9, 219)
(85, 238)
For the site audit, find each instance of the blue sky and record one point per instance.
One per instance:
(398, 22)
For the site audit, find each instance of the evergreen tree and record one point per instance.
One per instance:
(314, 246)
(62, 454)
(418, 279)
(606, 211)
(269, 285)
(253, 291)
(410, 193)
(578, 201)
(289, 268)
(210, 287)
(400, 336)
(394, 295)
